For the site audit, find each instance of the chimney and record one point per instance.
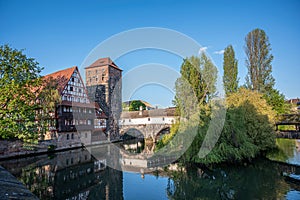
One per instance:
(141, 110)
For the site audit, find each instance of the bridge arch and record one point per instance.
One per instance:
(162, 132)
(131, 132)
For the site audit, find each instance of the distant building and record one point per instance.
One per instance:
(76, 118)
(295, 104)
(104, 85)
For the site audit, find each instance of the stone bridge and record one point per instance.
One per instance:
(147, 123)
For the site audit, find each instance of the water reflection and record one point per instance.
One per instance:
(288, 151)
(262, 180)
(84, 174)
(72, 174)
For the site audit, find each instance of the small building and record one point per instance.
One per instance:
(295, 104)
(76, 118)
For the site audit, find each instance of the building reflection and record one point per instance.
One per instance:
(68, 175)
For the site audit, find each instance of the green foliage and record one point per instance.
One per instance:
(168, 137)
(247, 131)
(197, 84)
(47, 100)
(286, 127)
(276, 100)
(230, 79)
(258, 61)
(124, 107)
(19, 78)
(135, 105)
(51, 147)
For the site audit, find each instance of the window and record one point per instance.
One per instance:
(72, 136)
(89, 122)
(65, 109)
(102, 78)
(71, 88)
(85, 135)
(72, 79)
(72, 98)
(67, 136)
(163, 119)
(148, 118)
(79, 90)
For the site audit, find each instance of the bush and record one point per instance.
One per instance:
(247, 132)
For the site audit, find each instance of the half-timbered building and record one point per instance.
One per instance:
(77, 120)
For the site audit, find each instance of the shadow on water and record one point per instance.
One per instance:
(78, 174)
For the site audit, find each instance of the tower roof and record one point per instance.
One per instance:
(102, 62)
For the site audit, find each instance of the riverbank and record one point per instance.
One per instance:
(11, 188)
(12, 149)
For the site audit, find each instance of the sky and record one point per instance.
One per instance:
(61, 34)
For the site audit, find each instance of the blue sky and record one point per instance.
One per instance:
(60, 34)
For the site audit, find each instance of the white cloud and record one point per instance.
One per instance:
(219, 52)
(202, 49)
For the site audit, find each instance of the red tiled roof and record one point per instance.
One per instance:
(102, 62)
(149, 113)
(62, 77)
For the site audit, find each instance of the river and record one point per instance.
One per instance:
(85, 174)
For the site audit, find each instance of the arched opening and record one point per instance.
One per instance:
(133, 141)
(132, 133)
(161, 133)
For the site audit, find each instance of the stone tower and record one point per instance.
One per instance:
(104, 85)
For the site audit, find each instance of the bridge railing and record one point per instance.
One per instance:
(288, 118)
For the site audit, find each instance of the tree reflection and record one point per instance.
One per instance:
(261, 180)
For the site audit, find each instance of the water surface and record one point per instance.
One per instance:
(84, 174)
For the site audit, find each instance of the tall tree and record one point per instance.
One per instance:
(258, 61)
(230, 79)
(197, 81)
(19, 81)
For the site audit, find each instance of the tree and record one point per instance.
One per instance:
(209, 72)
(47, 99)
(136, 104)
(230, 79)
(19, 80)
(248, 129)
(275, 99)
(197, 81)
(258, 61)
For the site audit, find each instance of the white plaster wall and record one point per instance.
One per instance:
(153, 120)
